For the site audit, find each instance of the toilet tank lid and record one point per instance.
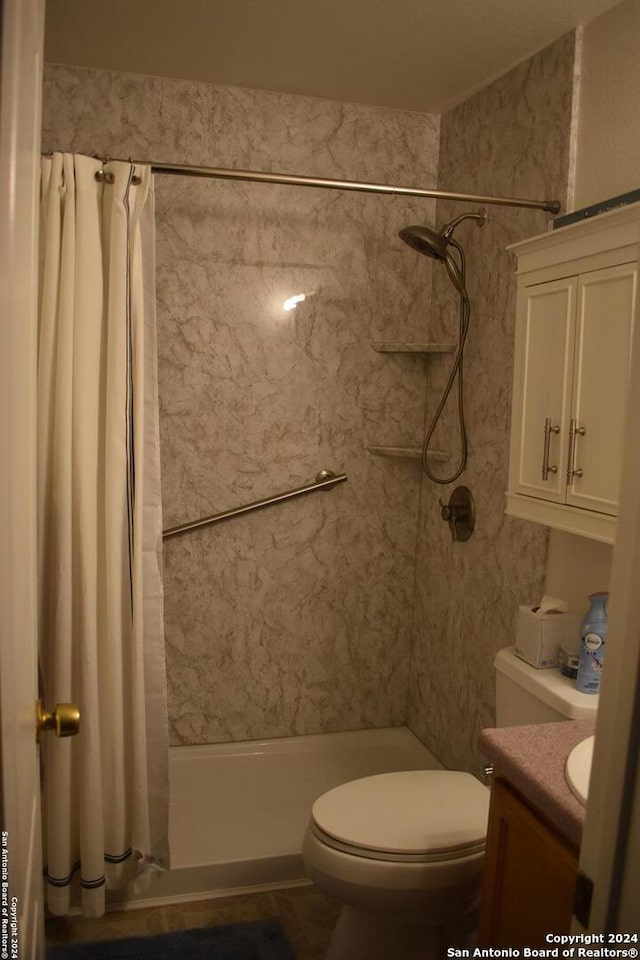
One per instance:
(549, 686)
(410, 812)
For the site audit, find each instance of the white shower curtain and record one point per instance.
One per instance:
(105, 791)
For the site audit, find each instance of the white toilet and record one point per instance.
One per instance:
(404, 851)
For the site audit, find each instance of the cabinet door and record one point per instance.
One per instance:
(542, 379)
(605, 308)
(529, 876)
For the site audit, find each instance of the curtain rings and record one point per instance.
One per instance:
(105, 176)
(102, 175)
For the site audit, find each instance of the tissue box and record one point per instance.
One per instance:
(539, 635)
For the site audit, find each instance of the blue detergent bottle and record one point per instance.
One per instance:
(593, 636)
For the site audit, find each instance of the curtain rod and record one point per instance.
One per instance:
(220, 173)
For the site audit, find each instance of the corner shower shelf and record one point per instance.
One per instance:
(407, 453)
(399, 346)
(402, 346)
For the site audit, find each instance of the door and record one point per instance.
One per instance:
(543, 361)
(20, 92)
(606, 302)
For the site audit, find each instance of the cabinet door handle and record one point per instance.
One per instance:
(548, 430)
(574, 433)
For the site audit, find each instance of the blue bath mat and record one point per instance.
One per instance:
(260, 940)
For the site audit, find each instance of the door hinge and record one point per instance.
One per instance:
(582, 898)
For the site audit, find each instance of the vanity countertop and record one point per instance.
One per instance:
(533, 759)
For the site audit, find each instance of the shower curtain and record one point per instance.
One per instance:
(105, 792)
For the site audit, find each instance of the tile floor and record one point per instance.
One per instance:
(307, 917)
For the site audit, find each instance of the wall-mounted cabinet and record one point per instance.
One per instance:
(575, 313)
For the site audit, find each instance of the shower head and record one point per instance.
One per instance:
(434, 243)
(425, 241)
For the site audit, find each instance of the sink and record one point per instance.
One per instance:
(577, 770)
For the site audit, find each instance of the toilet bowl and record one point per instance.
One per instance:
(404, 853)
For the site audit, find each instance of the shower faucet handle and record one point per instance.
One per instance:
(453, 511)
(447, 511)
(459, 513)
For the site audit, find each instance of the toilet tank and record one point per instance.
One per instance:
(527, 695)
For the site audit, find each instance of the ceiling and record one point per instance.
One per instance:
(408, 54)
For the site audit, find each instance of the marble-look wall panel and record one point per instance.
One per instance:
(294, 619)
(511, 139)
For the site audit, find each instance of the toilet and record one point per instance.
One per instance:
(404, 851)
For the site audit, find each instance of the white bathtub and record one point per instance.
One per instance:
(239, 810)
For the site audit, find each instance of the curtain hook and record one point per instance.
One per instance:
(102, 175)
(136, 179)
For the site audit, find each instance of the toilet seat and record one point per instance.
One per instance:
(416, 816)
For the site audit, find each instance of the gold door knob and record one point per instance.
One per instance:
(64, 719)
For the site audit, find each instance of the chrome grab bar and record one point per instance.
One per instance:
(325, 479)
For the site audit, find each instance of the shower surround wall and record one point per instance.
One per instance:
(511, 139)
(295, 619)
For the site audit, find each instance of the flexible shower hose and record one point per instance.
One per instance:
(456, 371)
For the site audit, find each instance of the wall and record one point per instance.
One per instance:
(607, 150)
(577, 567)
(511, 139)
(609, 120)
(295, 619)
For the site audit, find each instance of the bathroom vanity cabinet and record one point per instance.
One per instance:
(576, 303)
(529, 875)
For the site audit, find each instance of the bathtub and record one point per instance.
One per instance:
(238, 811)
